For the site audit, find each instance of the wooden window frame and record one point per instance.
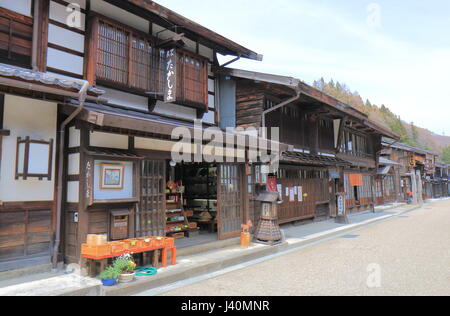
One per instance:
(3, 132)
(182, 80)
(93, 54)
(25, 174)
(17, 39)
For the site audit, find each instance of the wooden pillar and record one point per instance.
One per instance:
(83, 216)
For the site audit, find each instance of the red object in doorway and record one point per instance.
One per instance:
(272, 184)
(356, 180)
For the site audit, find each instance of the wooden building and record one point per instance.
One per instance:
(441, 181)
(334, 148)
(91, 91)
(404, 162)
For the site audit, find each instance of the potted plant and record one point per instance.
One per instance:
(109, 276)
(126, 266)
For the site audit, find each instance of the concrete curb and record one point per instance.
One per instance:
(251, 254)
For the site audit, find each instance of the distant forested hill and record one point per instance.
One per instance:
(410, 133)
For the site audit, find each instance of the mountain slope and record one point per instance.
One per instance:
(410, 133)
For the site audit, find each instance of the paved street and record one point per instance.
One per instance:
(407, 255)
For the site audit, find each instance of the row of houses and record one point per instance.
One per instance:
(405, 170)
(91, 92)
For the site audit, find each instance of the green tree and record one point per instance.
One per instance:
(446, 155)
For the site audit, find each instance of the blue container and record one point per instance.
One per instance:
(109, 282)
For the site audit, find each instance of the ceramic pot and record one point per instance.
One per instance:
(126, 277)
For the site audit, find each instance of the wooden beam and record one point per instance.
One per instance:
(44, 10)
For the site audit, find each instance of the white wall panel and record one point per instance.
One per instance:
(59, 13)
(107, 140)
(74, 137)
(209, 117)
(73, 189)
(19, 6)
(81, 3)
(73, 167)
(120, 15)
(64, 61)
(36, 119)
(211, 101)
(211, 85)
(63, 37)
(175, 110)
(125, 99)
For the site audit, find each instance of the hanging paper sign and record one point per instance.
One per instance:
(300, 194)
(341, 205)
(287, 191)
(280, 191)
(295, 190)
(272, 184)
(170, 90)
(291, 195)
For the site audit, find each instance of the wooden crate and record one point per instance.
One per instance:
(133, 244)
(147, 242)
(96, 250)
(93, 239)
(117, 247)
(178, 235)
(158, 242)
(169, 242)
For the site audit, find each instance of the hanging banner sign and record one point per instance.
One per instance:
(170, 90)
(272, 184)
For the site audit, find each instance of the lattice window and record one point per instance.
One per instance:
(192, 81)
(150, 218)
(128, 59)
(16, 37)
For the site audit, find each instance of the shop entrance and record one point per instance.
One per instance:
(193, 202)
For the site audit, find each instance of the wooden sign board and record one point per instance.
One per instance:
(170, 89)
(341, 211)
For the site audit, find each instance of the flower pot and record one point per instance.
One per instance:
(109, 282)
(246, 239)
(126, 277)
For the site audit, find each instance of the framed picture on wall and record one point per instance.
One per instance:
(111, 177)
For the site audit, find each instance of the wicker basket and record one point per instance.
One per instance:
(96, 250)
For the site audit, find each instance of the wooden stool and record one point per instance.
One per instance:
(164, 256)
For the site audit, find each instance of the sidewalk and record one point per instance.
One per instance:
(194, 265)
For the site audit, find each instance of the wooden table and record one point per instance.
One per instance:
(211, 224)
(91, 261)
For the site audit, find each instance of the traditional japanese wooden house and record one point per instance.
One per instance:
(410, 160)
(91, 93)
(440, 180)
(334, 147)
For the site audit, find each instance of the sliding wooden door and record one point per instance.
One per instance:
(230, 200)
(150, 217)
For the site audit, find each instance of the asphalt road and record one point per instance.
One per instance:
(408, 255)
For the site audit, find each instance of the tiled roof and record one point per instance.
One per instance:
(317, 160)
(44, 78)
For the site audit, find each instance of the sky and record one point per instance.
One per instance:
(392, 52)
